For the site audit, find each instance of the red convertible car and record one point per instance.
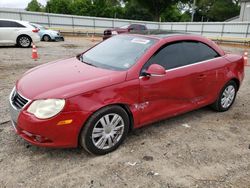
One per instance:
(128, 81)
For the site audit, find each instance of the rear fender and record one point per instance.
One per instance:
(235, 67)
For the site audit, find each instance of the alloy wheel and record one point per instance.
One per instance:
(24, 41)
(228, 96)
(108, 131)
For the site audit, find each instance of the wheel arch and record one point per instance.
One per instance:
(130, 114)
(237, 81)
(215, 104)
(125, 107)
(122, 105)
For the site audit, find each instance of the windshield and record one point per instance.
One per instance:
(42, 28)
(124, 27)
(117, 53)
(38, 26)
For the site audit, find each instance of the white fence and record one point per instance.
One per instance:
(97, 25)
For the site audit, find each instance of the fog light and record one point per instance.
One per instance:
(41, 139)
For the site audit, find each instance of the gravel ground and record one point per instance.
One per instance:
(198, 149)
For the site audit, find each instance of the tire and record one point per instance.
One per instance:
(96, 139)
(46, 38)
(226, 98)
(24, 41)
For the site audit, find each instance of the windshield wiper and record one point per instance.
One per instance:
(89, 64)
(81, 59)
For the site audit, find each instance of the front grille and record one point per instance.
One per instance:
(18, 101)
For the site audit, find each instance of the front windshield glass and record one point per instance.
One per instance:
(124, 27)
(41, 27)
(117, 53)
(38, 26)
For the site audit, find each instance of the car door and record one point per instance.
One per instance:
(180, 90)
(202, 61)
(142, 29)
(3, 32)
(9, 31)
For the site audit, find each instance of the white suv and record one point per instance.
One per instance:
(14, 32)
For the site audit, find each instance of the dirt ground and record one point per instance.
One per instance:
(198, 149)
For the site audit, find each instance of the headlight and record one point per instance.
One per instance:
(44, 109)
(114, 33)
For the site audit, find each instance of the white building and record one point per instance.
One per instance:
(244, 12)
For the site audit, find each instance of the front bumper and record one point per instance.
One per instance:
(59, 38)
(47, 133)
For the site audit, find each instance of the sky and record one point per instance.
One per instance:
(22, 4)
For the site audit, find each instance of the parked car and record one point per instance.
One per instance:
(97, 97)
(135, 28)
(15, 32)
(47, 34)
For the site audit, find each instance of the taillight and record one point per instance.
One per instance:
(35, 30)
(245, 58)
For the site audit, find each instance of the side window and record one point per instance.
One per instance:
(133, 27)
(15, 24)
(4, 23)
(191, 52)
(195, 52)
(180, 54)
(169, 57)
(142, 27)
(206, 52)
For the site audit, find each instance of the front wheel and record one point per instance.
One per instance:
(46, 38)
(105, 130)
(226, 98)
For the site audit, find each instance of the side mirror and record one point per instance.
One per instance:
(155, 70)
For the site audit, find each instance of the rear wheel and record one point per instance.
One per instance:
(105, 130)
(46, 38)
(226, 98)
(24, 41)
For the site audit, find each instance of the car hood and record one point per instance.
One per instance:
(47, 31)
(117, 29)
(65, 78)
(52, 32)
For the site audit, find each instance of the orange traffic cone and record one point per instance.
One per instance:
(246, 58)
(34, 52)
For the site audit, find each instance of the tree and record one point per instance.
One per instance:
(81, 7)
(185, 17)
(34, 6)
(134, 11)
(98, 8)
(222, 10)
(216, 10)
(59, 6)
(171, 14)
(107, 8)
(168, 10)
(157, 7)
